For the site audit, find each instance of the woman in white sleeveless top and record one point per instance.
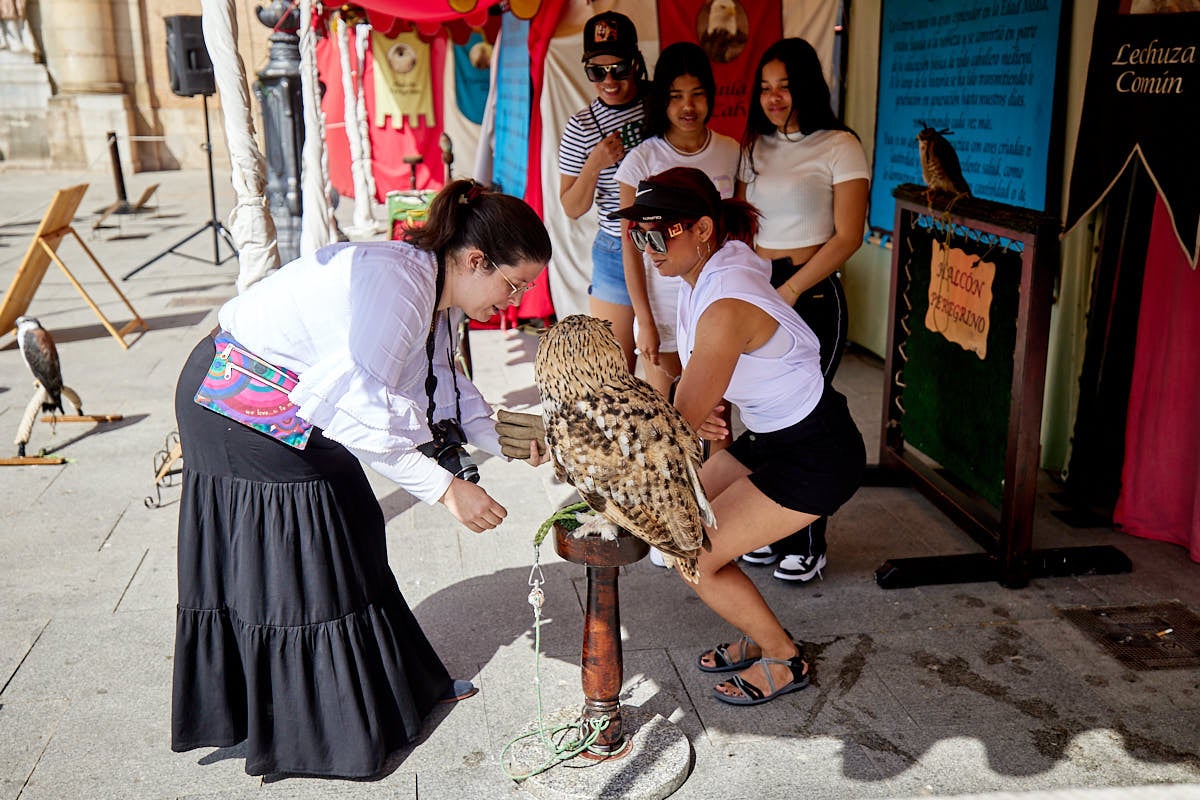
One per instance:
(801, 456)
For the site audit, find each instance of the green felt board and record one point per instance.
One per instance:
(957, 405)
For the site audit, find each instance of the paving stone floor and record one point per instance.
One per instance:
(948, 690)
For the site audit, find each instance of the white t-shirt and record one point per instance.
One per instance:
(793, 187)
(778, 384)
(719, 161)
(352, 320)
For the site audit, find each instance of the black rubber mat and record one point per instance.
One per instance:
(1156, 636)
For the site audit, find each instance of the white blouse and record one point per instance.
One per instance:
(352, 320)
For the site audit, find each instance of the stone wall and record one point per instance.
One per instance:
(101, 66)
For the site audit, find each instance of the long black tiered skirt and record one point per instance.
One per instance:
(291, 633)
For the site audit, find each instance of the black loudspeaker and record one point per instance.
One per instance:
(188, 64)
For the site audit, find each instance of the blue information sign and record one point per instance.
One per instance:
(513, 104)
(985, 70)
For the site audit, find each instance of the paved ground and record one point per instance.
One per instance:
(935, 691)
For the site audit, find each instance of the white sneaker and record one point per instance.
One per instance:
(800, 568)
(656, 558)
(762, 556)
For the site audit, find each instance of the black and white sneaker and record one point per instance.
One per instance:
(762, 556)
(800, 568)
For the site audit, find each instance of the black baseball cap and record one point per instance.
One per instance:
(678, 193)
(609, 34)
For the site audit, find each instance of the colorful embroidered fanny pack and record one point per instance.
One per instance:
(241, 386)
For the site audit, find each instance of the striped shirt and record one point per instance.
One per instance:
(587, 129)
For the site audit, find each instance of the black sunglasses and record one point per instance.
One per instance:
(657, 238)
(619, 71)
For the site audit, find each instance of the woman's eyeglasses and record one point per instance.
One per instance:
(516, 290)
(656, 238)
(619, 71)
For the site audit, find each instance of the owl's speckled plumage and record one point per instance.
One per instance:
(632, 456)
(939, 162)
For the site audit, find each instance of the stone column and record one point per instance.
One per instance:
(81, 57)
(24, 88)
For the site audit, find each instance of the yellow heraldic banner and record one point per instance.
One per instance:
(960, 298)
(403, 86)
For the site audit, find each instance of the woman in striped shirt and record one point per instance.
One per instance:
(593, 143)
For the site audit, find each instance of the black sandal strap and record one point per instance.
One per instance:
(721, 651)
(747, 688)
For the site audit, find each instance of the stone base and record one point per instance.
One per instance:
(655, 763)
(24, 96)
(79, 126)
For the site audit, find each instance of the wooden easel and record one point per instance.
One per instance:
(123, 207)
(55, 226)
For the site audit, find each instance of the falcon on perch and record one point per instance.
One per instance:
(41, 356)
(632, 456)
(939, 163)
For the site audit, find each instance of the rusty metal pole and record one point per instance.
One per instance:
(602, 658)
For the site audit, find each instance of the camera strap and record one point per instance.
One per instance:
(430, 378)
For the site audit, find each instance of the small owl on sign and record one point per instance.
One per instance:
(939, 164)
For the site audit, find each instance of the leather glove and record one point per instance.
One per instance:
(517, 430)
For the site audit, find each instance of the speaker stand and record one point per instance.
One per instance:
(219, 231)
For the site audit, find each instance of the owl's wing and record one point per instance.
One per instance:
(628, 450)
(707, 515)
(947, 158)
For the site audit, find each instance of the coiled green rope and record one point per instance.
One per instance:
(585, 732)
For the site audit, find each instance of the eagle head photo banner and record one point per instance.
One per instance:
(1142, 99)
(734, 34)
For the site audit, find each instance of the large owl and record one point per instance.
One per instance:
(632, 456)
(939, 163)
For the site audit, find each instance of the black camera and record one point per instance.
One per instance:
(448, 451)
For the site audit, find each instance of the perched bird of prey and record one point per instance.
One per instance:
(632, 456)
(41, 356)
(722, 16)
(939, 163)
(723, 38)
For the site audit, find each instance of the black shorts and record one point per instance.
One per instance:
(813, 466)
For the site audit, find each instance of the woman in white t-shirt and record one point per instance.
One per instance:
(682, 95)
(807, 174)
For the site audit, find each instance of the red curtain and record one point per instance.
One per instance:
(1160, 493)
(733, 55)
(337, 146)
(388, 145)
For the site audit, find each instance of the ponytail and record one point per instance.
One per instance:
(737, 219)
(465, 214)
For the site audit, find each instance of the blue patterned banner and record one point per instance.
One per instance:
(512, 107)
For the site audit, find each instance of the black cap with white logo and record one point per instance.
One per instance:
(609, 34)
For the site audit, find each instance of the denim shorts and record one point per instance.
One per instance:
(608, 271)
